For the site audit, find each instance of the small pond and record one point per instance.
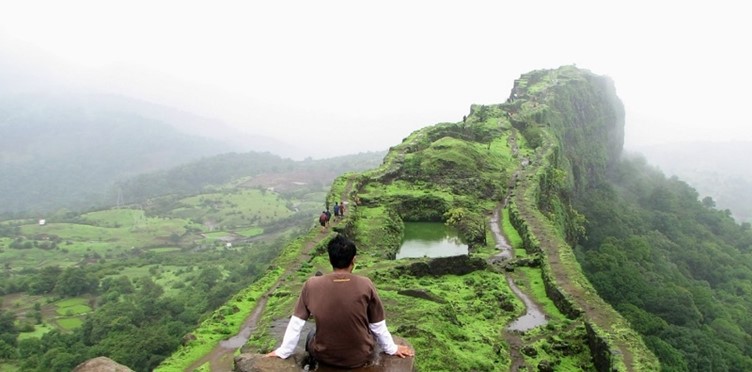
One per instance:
(430, 239)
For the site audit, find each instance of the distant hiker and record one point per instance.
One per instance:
(328, 216)
(323, 219)
(336, 211)
(349, 315)
(464, 118)
(341, 209)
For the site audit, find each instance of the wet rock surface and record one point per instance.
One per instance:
(456, 265)
(530, 351)
(545, 366)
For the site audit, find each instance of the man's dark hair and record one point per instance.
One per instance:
(341, 252)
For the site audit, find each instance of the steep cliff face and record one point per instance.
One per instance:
(577, 117)
(580, 109)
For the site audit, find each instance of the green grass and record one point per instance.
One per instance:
(70, 231)
(538, 290)
(462, 332)
(72, 306)
(111, 238)
(112, 233)
(513, 237)
(217, 235)
(232, 209)
(69, 324)
(71, 302)
(39, 331)
(164, 249)
(34, 257)
(116, 217)
(251, 231)
(6, 366)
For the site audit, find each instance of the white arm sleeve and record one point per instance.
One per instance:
(292, 335)
(383, 337)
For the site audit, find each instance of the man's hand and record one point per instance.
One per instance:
(404, 351)
(273, 354)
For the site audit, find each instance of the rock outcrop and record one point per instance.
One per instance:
(101, 364)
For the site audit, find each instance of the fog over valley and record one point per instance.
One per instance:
(331, 79)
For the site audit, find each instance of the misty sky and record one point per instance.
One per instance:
(338, 77)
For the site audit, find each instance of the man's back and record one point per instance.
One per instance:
(348, 311)
(343, 305)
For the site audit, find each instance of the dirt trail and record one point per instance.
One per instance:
(221, 357)
(534, 315)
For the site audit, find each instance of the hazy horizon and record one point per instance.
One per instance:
(339, 78)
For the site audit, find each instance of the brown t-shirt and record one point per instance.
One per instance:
(343, 305)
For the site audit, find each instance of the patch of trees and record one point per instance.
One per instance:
(676, 267)
(134, 322)
(8, 335)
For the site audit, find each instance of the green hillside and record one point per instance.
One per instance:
(67, 151)
(676, 267)
(87, 284)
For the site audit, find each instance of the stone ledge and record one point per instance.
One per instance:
(251, 362)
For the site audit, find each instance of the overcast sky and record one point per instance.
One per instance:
(351, 76)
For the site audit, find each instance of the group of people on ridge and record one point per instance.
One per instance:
(326, 216)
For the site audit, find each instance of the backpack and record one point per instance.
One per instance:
(323, 217)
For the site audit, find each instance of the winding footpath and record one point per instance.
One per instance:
(221, 357)
(533, 316)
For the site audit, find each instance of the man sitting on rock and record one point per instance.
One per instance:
(348, 311)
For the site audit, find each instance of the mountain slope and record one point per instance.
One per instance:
(66, 151)
(677, 268)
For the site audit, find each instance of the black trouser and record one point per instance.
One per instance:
(309, 339)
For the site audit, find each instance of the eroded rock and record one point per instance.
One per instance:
(101, 364)
(456, 265)
(530, 351)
